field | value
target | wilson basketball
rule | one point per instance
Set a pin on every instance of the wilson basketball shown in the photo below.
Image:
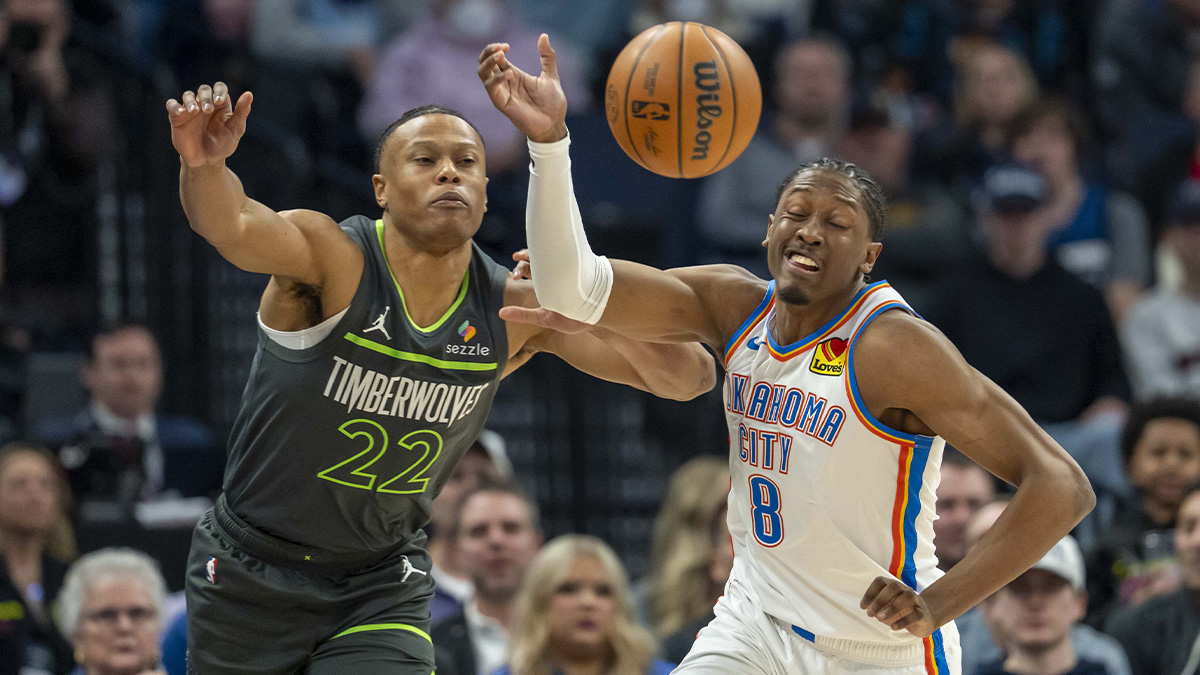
(683, 99)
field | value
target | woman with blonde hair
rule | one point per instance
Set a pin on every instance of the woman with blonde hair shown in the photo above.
(681, 590)
(574, 616)
(36, 544)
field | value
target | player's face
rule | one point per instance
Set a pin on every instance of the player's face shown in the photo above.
(582, 611)
(1187, 540)
(496, 543)
(432, 182)
(28, 494)
(1166, 460)
(1038, 609)
(118, 627)
(818, 240)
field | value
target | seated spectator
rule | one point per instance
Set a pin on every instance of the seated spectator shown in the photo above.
(680, 588)
(1160, 635)
(1134, 559)
(812, 110)
(36, 544)
(720, 566)
(1038, 331)
(1097, 234)
(484, 460)
(574, 615)
(978, 644)
(110, 608)
(118, 449)
(498, 531)
(1161, 336)
(1036, 613)
(964, 489)
(993, 84)
(431, 61)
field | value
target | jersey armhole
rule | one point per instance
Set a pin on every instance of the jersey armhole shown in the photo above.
(856, 401)
(755, 316)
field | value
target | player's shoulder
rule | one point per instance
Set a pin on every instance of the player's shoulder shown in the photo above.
(901, 341)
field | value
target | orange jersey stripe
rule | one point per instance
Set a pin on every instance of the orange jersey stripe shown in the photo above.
(902, 477)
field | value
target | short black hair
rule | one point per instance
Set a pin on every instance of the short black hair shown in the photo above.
(110, 329)
(412, 115)
(1051, 108)
(505, 486)
(1142, 414)
(874, 202)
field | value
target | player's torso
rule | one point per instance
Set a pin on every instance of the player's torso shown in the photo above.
(823, 497)
(343, 445)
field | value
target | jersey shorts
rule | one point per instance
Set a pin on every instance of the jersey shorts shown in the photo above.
(308, 616)
(743, 639)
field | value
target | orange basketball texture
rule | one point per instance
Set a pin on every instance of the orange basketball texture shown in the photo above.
(683, 99)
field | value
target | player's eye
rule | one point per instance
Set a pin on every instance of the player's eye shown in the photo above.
(467, 160)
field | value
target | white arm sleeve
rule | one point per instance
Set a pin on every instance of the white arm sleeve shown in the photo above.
(568, 277)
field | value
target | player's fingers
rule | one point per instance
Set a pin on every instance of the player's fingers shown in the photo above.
(221, 104)
(237, 121)
(549, 59)
(883, 598)
(523, 315)
(204, 98)
(491, 49)
(876, 586)
(174, 108)
(523, 271)
(900, 606)
(523, 254)
(189, 102)
(905, 621)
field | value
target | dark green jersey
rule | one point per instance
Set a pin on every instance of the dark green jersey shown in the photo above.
(342, 446)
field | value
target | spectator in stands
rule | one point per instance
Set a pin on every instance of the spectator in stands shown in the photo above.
(110, 607)
(1134, 559)
(1038, 331)
(1098, 234)
(498, 533)
(720, 566)
(994, 83)
(574, 615)
(57, 120)
(978, 644)
(964, 489)
(1160, 635)
(485, 460)
(812, 111)
(1140, 75)
(1161, 337)
(36, 545)
(118, 448)
(680, 589)
(431, 61)
(1036, 613)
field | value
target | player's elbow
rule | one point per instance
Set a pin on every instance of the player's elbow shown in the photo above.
(697, 376)
(1074, 488)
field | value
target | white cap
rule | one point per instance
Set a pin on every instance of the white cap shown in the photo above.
(495, 447)
(1066, 561)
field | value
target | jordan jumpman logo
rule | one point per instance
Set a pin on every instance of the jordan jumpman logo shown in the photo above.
(378, 325)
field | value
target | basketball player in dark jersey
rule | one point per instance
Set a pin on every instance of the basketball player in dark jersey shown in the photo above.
(379, 352)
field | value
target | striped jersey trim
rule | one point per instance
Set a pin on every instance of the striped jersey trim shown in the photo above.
(462, 289)
(935, 655)
(909, 479)
(739, 336)
(785, 353)
(417, 358)
(856, 401)
(382, 626)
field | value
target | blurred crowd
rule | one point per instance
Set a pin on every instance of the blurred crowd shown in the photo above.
(1042, 163)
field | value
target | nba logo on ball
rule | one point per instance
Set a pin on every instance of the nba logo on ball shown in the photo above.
(683, 99)
(211, 570)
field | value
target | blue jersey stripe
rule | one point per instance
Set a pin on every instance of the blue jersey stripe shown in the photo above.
(939, 654)
(916, 478)
(750, 320)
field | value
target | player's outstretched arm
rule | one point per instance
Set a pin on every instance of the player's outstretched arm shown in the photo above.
(705, 304)
(206, 128)
(905, 364)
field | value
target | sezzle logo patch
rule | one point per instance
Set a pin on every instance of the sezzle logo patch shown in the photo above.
(650, 110)
(467, 332)
(829, 358)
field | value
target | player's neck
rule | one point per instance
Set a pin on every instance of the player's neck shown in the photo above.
(430, 280)
(794, 322)
(1056, 660)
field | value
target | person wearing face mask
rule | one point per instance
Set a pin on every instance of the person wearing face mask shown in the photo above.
(574, 616)
(1162, 635)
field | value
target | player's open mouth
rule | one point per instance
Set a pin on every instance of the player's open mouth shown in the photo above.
(803, 262)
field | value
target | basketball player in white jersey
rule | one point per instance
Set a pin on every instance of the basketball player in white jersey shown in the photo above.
(838, 399)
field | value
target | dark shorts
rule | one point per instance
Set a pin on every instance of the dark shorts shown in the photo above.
(270, 607)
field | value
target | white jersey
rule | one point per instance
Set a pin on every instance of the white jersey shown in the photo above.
(825, 498)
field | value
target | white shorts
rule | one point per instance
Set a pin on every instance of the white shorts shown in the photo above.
(743, 639)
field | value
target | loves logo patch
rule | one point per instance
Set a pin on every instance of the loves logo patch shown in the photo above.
(829, 358)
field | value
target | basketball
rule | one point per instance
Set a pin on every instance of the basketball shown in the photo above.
(683, 99)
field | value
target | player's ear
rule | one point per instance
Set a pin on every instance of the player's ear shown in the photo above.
(486, 180)
(770, 224)
(868, 263)
(380, 184)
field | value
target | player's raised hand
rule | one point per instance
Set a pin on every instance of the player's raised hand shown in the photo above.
(540, 316)
(535, 105)
(893, 603)
(206, 126)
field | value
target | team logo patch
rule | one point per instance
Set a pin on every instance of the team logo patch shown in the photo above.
(211, 570)
(829, 358)
(467, 331)
(651, 110)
